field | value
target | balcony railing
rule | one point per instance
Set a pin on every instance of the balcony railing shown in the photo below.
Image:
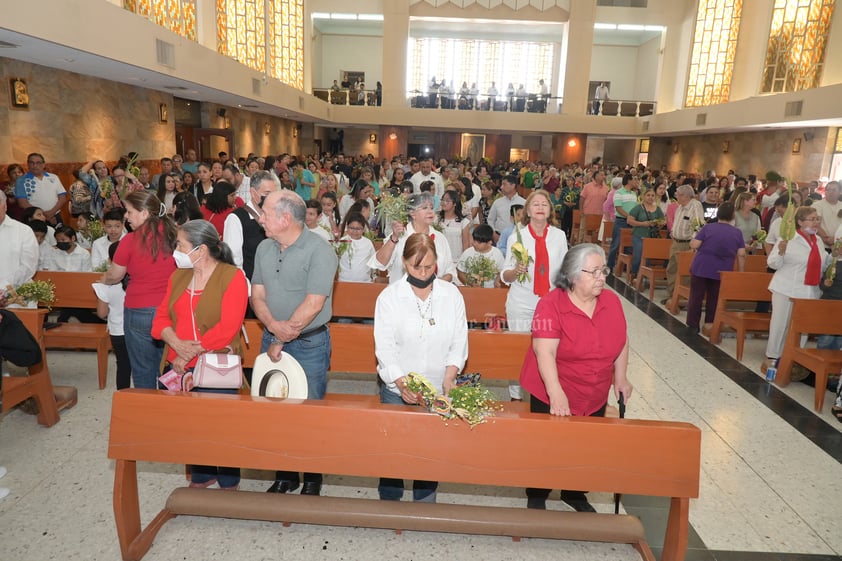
(532, 103)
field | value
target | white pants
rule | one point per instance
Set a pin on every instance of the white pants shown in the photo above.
(779, 325)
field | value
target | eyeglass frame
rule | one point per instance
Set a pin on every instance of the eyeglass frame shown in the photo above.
(605, 270)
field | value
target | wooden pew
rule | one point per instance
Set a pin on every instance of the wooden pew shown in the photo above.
(590, 228)
(753, 264)
(653, 258)
(37, 384)
(74, 290)
(624, 260)
(741, 287)
(812, 317)
(681, 288)
(373, 440)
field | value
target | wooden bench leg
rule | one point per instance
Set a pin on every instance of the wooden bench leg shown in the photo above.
(102, 361)
(678, 524)
(134, 543)
(821, 388)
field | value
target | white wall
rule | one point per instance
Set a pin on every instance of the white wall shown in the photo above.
(348, 52)
(646, 77)
(618, 65)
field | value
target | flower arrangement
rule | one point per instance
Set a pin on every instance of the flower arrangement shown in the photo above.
(696, 224)
(788, 219)
(479, 270)
(102, 267)
(759, 237)
(94, 230)
(343, 246)
(392, 209)
(370, 235)
(43, 292)
(468, 401)
(522, 256)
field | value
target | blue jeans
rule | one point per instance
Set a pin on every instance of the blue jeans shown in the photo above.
(619, 224)
(392, 489)
(833, 342)
(637, 249)
(313, 354)
(144, 352)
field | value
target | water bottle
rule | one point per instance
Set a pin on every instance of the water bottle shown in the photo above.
(771, 371)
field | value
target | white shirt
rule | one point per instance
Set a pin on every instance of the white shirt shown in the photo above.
(545, 90)
(77, 261)
(423, 337)
(500, 215)
(353, 264)
(233, 234)
(44, 192)
(18, 253)
(321, 232)
(791, 267)
(521, 299)
(114, 296)
(99, 250)
(494, 255)
(453, 234)
(829, 214)
(601, 93)
(444, 260)
(346, 202)
(418, 178)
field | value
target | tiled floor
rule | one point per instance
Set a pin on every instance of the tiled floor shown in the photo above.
(769, 480)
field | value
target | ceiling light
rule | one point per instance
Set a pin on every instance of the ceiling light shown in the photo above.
(321, 15)
(628, 27)
(654, 27)
(604, 26)
(343, 16)
(572, 142)
(370, 17)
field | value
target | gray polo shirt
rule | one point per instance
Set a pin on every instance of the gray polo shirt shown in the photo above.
(308, 266)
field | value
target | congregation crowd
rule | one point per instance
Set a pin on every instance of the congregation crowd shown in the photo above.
(265, 237)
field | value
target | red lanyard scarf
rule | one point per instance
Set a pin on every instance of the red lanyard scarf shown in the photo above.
(814, 261)
(541, 286)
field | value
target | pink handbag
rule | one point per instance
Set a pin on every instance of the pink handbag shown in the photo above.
(218, 371)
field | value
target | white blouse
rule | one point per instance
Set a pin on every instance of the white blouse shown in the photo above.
(521, 299)
(444, 259)
(415, 336)
(791, 267)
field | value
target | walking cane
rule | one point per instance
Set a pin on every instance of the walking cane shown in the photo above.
(621, 404)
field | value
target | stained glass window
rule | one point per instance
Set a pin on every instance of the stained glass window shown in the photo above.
(243, 35)
(480, 62)
(178, 16)
(714, 47)
(797, 40)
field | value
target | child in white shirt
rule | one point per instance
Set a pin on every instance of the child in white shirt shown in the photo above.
(355, 250)
(481, 245)
(110, 306)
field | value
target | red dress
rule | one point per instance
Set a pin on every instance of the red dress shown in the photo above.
(587, 349)
(217, 218)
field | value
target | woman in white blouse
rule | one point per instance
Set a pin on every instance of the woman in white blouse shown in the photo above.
(419, 326)
(455, 227)
(546, 245)
(799, 264)
(421, 216)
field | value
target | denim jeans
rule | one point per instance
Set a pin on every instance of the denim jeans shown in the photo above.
(637, 253)
(144, 352)
(833, 342)
(313, 354)
(392, 489)
(619, 224)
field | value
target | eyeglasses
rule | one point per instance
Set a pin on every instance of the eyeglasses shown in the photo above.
(598, 272)
(355, 228)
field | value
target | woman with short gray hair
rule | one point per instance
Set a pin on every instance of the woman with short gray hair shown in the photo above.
(579, 349)
(421, 218)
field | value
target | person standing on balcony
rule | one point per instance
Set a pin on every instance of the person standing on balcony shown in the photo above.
(600, 96)
(432, 92)
(492, 96)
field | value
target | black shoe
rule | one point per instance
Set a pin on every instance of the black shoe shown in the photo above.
(283, 486)
(311, 488)
(577, 500)
(536, 503)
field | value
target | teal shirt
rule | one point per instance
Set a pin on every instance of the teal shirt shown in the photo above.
(625, 198)
(641, 215)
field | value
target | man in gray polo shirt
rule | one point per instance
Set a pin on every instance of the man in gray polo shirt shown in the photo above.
(291, 294)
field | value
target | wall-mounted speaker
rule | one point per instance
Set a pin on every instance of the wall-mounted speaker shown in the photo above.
(221, 111)
(808, 136)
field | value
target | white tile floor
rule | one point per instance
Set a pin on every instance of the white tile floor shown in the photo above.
(764, 486)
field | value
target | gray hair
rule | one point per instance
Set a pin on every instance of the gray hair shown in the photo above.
(291, 203)
(261, 176)
(2, 196)
(685, 190)
(419, 200)
(573, 262)
(202, 232)
(617, 182)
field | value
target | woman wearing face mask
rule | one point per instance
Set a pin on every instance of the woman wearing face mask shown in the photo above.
(413, 316)
(799, 264)
(202, 311)
(145, 255)
(421, 218)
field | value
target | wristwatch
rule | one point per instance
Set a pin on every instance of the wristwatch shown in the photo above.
(276, 341)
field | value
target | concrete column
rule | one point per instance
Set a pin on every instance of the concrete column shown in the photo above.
(395, 45)
(578, 61)
(676, 46)
(206, 23)
(751, 50)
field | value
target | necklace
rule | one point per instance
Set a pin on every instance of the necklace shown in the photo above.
(426, 313)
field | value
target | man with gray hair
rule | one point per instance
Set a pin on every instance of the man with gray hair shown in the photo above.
(291, 293)
(243, 233)
(689, 216)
